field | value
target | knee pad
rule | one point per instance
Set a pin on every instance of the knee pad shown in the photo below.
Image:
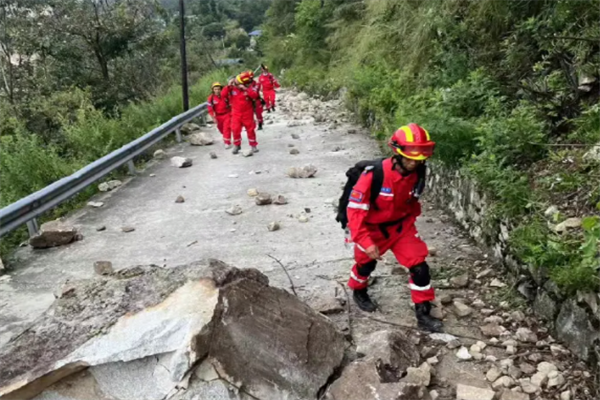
(420, 274)
(366, 269)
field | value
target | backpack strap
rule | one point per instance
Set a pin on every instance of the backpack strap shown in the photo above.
(377, 181)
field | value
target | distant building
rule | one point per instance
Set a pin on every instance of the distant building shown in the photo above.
(253, 35)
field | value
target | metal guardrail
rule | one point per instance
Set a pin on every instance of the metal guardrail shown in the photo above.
(26, 210)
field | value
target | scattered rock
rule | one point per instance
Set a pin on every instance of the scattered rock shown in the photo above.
(295, 136)
(570, 223)
(303, 218)
(179, 199)
(294, 151)
(551, 211)
(463, 354)
(351, 131)
(485, 273)
(391, 350)
(418, 376)
(212, 155)
(200, 139)
(511, 395)
(497, 283)
(252, 192)
(445, 298)
(247, 153)
(517, 316)
(103, 267)
(527, 368)
(234, 210)
(127, 229)
(160, 154)
(433, 251)
(233, 176)
(152, 175)
(461, 309)
(189, 127)
(280, 200)
(326, 305)
(181, 162)
(546, 367)
(433, 361)
(465, 392)
(273, 226)
(262, 199)
(492, 329)
(486, 311)
(555, 379)
(360, 381)
(52, 234)
(308, 171)
(503, 381)
(460, 281)
(95, 204)
(478, 304)
(528, 387)
(434, 395)
(101, 228)
(539, 379)
(566, 395)
(493, 374)
(436, 312)
(291, 145)
(526, 335)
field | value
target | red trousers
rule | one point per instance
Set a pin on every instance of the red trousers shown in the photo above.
(409, 250)
(239, 121)
(258, 110)
(224, 126)
(269, 96)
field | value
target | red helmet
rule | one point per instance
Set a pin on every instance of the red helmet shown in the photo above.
(412, 141)
(245, 77)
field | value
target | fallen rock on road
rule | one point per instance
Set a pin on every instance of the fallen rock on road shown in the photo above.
(52, 234)
(141, 331)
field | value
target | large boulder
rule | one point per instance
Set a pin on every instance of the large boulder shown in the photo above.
(139, 332)
(190, 127)
(52, 234)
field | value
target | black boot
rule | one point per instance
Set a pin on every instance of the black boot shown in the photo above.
(425, 321)
(269, 110)
(260, 126)
(236, 149)
(363, 301)
(273, 108)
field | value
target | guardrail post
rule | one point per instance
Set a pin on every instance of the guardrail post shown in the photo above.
(203, 119)
(178, 134)
(32, 227)
(131, 167)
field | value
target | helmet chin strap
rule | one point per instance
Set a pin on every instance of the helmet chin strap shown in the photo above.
(397, 161)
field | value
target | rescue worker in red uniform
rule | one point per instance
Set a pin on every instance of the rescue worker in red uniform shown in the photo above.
(241, 98)
(268, 84)
(220, 112)
(258, 105)
(389, 224)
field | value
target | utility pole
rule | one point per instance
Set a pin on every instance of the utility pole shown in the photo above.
(184, 75)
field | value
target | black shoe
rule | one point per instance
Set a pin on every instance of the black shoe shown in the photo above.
(363, 301)
(236, 149)
(260, 126)
(273, 108)
(425, 321)
(269, 110)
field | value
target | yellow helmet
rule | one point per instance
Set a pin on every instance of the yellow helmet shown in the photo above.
(215, 84)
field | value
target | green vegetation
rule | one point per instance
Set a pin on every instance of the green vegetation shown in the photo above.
(508, 89)
(79, 79)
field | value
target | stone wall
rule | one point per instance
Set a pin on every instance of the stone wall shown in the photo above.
(573, 320)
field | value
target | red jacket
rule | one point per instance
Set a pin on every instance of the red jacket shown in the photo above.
(217, 105)
(394, 202)
(241, 100)
(268, 82)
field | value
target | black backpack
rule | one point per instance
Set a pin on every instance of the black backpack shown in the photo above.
(376, 168)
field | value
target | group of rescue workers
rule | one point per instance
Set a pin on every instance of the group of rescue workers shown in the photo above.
(380, 203)
(234, 106)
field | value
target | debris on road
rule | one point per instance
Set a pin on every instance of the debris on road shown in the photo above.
(280, 200)
(180, 199)
(263, 199)
(181, 162)
(200, 139)
(95, 204)
(160, 154)
(103, 267)
(212, 155)
(234, 210)
(273, 226)
(52, 234)
(294, 151)
(308, 171)
(127, 229)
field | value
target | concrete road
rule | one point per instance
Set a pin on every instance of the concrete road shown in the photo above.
(168, 233)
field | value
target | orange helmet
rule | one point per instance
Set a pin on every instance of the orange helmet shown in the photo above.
(412, 141)
(245, 77)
